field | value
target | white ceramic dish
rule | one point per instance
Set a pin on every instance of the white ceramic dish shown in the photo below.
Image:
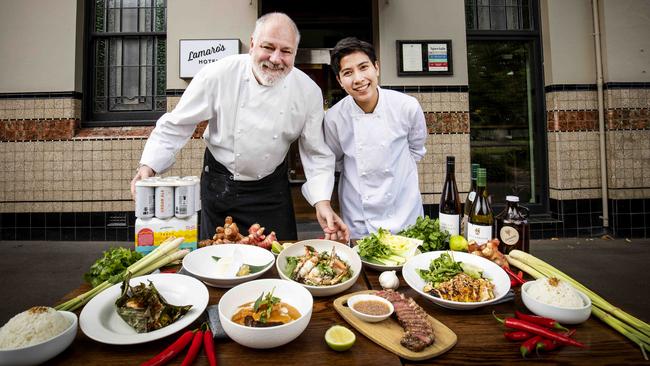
(490, 271)
(41, 352)
(200, 264)
(367, 317)
(381, 267)
(344, 252)
(100, 321)
(288, 291)
(562, 315)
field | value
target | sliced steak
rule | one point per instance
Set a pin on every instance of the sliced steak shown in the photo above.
(418, 332)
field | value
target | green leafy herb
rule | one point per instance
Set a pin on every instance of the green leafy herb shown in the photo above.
(428, 231)
(266, 301)
(373, 248)
(292, 262)
(441, 269)
(113, 262)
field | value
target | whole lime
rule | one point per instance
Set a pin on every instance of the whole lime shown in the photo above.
(458, 243)
(340, 338)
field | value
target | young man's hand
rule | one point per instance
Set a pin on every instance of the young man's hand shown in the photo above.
(333, 227)
(142, 173)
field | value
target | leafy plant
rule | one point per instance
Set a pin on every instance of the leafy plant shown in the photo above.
(113, 262)
(427, 230)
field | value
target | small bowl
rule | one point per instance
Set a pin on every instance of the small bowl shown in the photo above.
(344, 252)
(288, 291)
(41, 352)
(561, 314)
(367, 317)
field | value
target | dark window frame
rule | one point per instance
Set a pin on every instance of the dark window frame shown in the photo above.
(114, 118)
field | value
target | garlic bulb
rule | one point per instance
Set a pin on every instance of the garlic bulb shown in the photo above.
(388, 280)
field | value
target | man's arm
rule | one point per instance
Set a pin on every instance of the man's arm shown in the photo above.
(417, 134)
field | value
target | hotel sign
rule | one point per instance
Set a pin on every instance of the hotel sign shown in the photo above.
(196, 53)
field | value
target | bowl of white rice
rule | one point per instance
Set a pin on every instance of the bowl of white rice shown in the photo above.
(556, 299)
(36, 335)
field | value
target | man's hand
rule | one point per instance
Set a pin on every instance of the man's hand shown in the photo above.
(142, 173)
(333, 227)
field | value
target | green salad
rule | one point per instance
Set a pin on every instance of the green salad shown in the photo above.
(386, 249)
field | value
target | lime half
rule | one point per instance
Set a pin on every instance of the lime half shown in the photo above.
(340, 338)
(458, 243)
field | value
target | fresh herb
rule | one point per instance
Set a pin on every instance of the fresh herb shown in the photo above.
(428, 231)
(265, 301)
(292, 263)
(386, 249)
(440, 270)
(113, 262)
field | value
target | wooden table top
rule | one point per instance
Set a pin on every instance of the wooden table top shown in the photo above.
(480, 340)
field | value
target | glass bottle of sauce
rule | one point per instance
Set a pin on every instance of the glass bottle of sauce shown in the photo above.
(512, 226)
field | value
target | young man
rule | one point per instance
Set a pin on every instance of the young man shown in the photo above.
(256, 105)
(377, 136)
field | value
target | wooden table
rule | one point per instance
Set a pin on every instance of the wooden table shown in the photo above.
(480, 340)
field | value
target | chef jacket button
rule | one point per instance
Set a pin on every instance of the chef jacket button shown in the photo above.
(275, 136)
(238, 154)
(236, 174)
(386, 170)
(239, 130)
(259, 176)
(266, 156)
(365, 198)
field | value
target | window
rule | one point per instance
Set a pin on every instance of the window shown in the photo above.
(126, 70)
(498, 14)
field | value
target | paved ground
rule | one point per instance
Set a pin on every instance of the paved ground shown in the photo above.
(40, 273)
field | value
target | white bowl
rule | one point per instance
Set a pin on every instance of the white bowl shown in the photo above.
(491, 271)
(367, 317)
(344, 252)
(562, 315)
(41, 352)
(289, 292)
(200, 264)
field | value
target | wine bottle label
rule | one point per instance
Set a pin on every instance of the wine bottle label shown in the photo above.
(471, 196)
(463, 226)
(449, 223)
(509, 235)
(479, 233)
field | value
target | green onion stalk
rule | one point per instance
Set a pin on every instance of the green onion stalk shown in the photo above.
(166, 253)
(631, 327)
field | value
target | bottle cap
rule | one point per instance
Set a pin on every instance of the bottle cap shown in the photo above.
(512, 198)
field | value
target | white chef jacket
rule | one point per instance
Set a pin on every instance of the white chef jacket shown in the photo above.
(250, 126)
(378, 186)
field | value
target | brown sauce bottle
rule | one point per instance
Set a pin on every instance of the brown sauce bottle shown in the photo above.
(513, 230)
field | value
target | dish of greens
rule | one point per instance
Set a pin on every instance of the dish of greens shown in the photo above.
(383, 250)
(427, 230)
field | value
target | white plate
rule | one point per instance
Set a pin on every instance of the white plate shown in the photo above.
(381, 267)
(491, 271)
(200, 264)
(100, 321)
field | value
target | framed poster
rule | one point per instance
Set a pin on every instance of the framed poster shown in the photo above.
(196, 53)
(424, 58)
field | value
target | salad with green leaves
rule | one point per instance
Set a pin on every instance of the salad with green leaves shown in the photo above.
(386, 249)
(427, 230)
(445, 268)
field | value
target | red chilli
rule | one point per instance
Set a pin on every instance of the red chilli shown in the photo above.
(528, 346)
(540, 320)
(519, 324)
(548, 345)
(517, 335)
(170, 352)
(194, 348)
(208, 347)
(513, 276)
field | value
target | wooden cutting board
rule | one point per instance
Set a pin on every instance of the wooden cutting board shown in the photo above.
(388, 333)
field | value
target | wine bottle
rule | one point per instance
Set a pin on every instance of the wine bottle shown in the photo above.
(449, 210)
(469, 200)
(481, 219)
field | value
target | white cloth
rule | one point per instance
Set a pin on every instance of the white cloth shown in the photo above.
(250, 126)
(378, 186)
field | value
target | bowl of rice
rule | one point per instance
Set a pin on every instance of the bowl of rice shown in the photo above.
(36, 335)
(556, 299)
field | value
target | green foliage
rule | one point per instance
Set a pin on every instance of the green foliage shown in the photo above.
(440, 270)
(113, 262)
(427, 230)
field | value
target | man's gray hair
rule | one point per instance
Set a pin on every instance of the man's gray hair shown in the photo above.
(260, 23)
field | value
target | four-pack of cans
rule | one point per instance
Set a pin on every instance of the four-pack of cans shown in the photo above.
(166, 207)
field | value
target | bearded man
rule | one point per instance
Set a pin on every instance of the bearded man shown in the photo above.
(256, 105)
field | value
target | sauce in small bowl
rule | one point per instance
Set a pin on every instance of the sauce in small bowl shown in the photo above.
(370, 308)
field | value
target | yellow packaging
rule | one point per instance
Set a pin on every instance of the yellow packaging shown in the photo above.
(151, 232)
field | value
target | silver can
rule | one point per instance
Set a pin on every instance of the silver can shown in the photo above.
(197, 191)
(184, 200)
(144, 201)
(164, 204)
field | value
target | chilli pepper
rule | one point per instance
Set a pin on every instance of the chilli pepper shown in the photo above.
(171, 351)
(514, 276)
(520, 324)
(540, 320)
(528, 345)
(517, 335)
(208, 347)
(548, 345)
(194, 348)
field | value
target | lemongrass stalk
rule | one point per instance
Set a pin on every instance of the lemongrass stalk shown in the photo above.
(550, 271)
(524, 267)
(163, 261)
(620, 327)
(642, 337)
(155, 255)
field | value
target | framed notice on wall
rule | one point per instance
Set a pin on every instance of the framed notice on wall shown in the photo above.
(424, 58)
(196, 53)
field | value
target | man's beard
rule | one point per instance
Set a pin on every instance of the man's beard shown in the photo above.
(270, 74)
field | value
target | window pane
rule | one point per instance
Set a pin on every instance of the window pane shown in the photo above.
(512, 14)
(498, 14)
(497, 17)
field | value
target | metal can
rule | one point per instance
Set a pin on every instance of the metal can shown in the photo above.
(197, 191)
(164, 204)
(184, 199)
(144, 201)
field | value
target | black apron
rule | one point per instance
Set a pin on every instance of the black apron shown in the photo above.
(266, 201)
